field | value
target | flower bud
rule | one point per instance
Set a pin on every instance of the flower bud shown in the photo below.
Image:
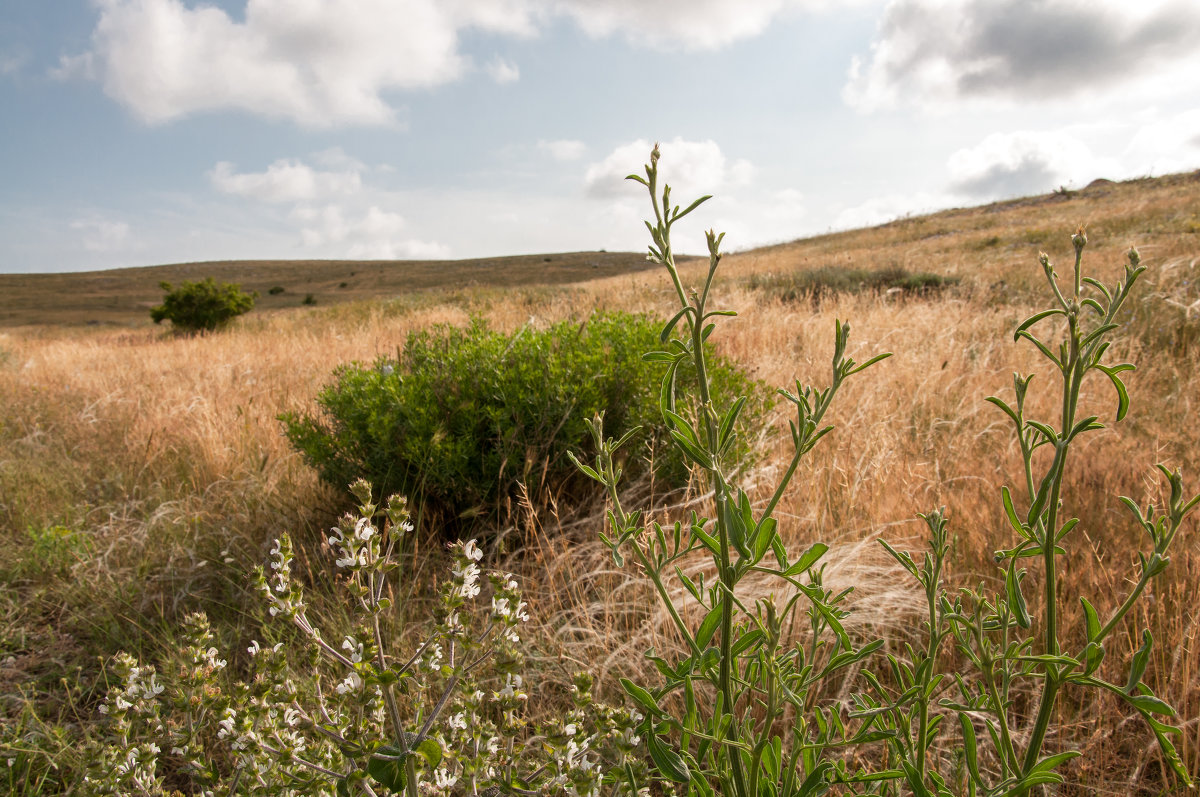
(1079, 239)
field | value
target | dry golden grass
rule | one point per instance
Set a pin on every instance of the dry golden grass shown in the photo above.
(165, 451)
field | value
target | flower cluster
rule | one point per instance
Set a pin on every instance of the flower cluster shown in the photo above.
(449, 716)
(129, 763)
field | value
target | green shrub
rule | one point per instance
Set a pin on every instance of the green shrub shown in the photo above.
(309, 299)
(202, 306)
(466, 413)
(275, 291)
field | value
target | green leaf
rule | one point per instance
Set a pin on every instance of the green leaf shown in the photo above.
(668, 762)
(1140, 659)
(746, 641)
(388, 772)
(1092, 618)
(431, 751)
(807, 559)
(1050, 763)
(970, 747)
(1016, 599)
(903, 557)
(727, 423)
(1152, 705)
(1009, 411)
(1093, 654)
(675, 319)
(709, 627)
(1122, 394)
(1009, 510)
(764, 539)
(642, 697)
(1033, 319)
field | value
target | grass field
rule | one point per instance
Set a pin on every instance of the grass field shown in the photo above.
(124, 296)
(142, 474)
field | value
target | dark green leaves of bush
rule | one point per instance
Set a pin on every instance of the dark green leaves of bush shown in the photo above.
(202, 306)
(464, 414)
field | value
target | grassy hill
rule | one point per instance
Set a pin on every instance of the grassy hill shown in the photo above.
(143, 474)
(124, 296)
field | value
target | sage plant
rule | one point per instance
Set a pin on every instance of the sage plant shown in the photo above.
(741, 713)
(446, 718)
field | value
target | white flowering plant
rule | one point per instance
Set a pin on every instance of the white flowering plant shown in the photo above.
(447, 718)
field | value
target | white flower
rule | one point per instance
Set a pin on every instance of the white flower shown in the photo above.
(254, 648)
(354, 647)
(352, 683)
(472, 551)
(458, 722)
(443, 778)
(363, 529)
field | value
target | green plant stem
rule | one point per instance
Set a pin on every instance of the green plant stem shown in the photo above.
(1073, 371)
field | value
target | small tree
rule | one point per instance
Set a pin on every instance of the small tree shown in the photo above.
(202, 306)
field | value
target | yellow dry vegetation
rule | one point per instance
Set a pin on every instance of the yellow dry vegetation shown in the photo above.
(167, 453)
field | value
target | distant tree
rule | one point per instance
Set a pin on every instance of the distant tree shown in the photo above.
(202, 306)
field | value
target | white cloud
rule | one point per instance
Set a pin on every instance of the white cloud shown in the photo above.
(322, 63)
(1165, 146)
(691, 168)
(100, 235)
(284, 181)
(675, 24)
(377, 235)
(318, 62)
(503, 71)
(563, 149)
(882, 209)
(934, 53)
(1023, 163)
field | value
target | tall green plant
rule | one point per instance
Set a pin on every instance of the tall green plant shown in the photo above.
(737, 743)
(994, 631)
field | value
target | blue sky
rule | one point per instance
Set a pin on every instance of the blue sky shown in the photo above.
(139, 132)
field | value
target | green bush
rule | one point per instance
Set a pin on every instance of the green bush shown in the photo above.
(202, 306)
(465, 414)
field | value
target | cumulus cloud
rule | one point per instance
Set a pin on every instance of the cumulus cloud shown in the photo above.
(1022, 163)
(563, 149)
(318, 63)
(934, 52)
(284, 181)
(376, 234)
(100, 235)
(691, 168)
(333, 62)
(676, 24)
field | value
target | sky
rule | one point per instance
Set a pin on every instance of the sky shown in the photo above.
(140, 132)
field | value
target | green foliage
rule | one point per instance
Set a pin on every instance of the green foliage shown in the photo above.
(309, 299)
(49, 552)
(464, 414)
(202, 306)
(276, 290)
(827, 281)
(741, 714)
(1007, 648)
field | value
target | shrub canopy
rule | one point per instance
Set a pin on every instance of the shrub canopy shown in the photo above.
(464, 414)
(202, 306)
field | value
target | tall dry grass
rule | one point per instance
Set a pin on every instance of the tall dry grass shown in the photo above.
(166, 454)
